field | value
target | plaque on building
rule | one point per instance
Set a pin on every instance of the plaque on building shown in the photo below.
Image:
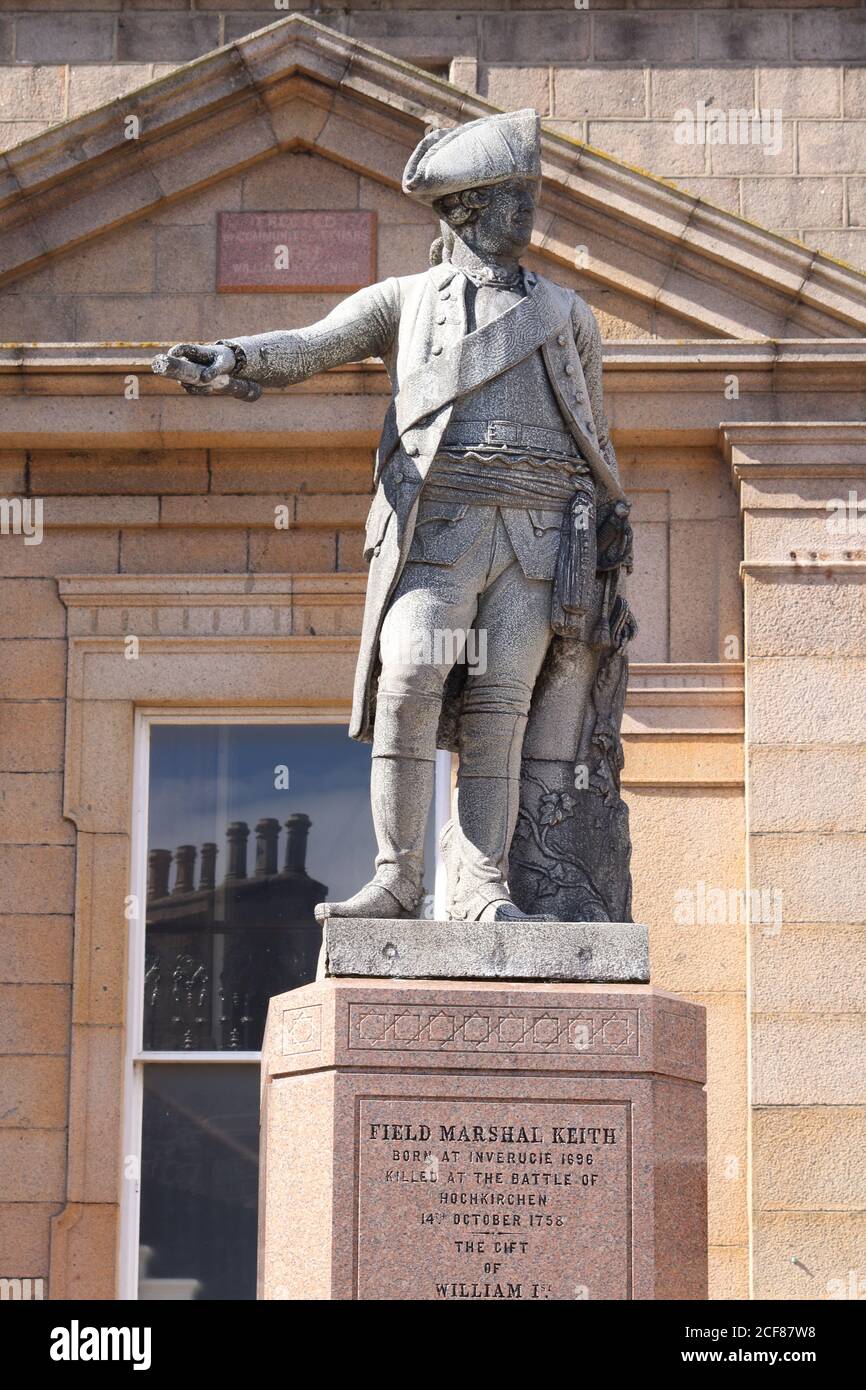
(295, 252)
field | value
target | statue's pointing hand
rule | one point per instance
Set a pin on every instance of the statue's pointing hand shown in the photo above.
(205, 369)
(201, 364)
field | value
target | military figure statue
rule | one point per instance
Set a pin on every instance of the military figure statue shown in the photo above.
(498, 517)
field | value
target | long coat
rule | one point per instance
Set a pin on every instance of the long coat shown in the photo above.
(417, 325)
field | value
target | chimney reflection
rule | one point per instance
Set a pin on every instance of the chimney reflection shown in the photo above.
(217, 952)
(267, 834)
(184, 869)
(237, 835)
(297, 830)
(158, 870)
(207, 877)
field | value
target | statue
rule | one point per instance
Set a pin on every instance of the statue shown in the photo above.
(497, 540)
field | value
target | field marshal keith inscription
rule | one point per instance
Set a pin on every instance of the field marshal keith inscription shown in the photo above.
(464, 1199)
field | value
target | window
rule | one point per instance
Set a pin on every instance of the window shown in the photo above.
(199, 1181)
(240, 829)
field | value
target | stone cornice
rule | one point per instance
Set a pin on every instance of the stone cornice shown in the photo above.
(684, 700)
(73, 396)
(171, 608)
(720, 681)
(130, 590)
(803, 569)
(364, 109)
(783, 449)
(688, 354)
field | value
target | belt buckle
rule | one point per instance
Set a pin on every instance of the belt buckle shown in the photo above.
(502, 432)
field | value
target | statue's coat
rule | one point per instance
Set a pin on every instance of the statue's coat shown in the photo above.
(417, 325)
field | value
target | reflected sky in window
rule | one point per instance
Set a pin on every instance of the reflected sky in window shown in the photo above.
(250, 825)
(204, 776)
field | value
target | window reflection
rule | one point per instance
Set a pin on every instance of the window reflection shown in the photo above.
(199, 1182)
(249, 826)
(238, 815)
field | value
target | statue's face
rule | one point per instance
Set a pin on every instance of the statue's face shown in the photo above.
(504, 226)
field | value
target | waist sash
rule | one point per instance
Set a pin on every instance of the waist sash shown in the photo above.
(497, 480)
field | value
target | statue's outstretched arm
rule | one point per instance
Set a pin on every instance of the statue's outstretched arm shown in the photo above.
(364, 325)
(361, 326)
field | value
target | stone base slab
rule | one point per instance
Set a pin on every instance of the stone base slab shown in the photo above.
(401, 949)
(437, 1141)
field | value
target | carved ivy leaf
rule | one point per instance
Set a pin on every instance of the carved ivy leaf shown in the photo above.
(555, 807)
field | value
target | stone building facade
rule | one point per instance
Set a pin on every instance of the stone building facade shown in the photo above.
(734, 375)
(615, 73)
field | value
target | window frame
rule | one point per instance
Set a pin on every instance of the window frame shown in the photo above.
(135, 1055)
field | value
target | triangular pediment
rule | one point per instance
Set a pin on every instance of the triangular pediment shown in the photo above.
(654, 261)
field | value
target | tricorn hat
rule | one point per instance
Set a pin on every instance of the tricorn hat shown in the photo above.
(481, 152)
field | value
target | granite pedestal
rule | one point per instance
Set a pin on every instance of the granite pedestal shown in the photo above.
(478, 1139)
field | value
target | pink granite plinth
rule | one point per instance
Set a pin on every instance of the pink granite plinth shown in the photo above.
(482, 1140)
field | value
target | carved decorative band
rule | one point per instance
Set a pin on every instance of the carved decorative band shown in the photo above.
(438, 1028)
(302, 1030)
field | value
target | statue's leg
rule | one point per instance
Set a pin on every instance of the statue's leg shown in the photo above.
(401, 785)
(514, 622)
(431, 604)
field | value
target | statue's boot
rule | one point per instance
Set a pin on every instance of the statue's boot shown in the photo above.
(504, 910)
(488, 901)
(475, 843)
(401, 790)
(373, 900)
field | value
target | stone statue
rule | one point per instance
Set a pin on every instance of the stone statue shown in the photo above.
(494, 622)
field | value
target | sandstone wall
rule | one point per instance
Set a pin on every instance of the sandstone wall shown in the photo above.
(614, 74)
(611, 75)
